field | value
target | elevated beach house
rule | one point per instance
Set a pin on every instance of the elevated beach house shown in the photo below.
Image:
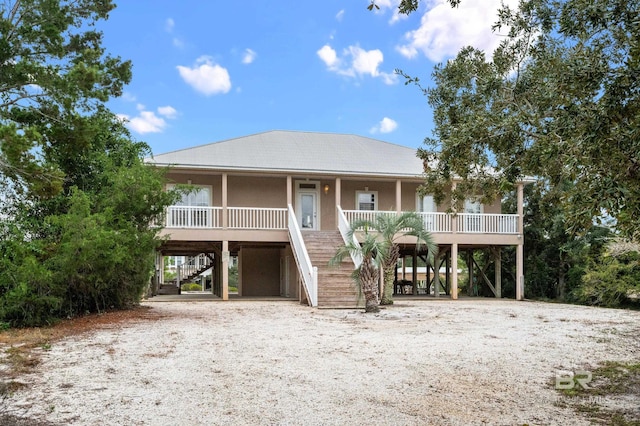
(277, 204)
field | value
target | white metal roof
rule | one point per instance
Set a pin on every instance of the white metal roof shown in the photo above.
(292, 151)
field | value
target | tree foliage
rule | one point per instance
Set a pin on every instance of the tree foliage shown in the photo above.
(387, 229)
(77, 201)
(614, 281)
(52, 68)
(559, 100)
(371, 250)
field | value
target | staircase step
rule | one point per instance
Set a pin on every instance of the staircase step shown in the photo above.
(335, 285)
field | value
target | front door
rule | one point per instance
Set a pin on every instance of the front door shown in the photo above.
(307, 210)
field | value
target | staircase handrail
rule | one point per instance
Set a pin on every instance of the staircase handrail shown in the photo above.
(307, 270)
(345, 228)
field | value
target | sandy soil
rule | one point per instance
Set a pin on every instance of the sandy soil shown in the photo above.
(256, 362)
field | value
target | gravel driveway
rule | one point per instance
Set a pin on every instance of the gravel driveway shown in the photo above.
(442, 362)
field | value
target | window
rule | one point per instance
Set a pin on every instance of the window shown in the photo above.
(426, 204)
(367, 200)
(186, 212)
(473, 221)
(200, 197)
(471, 206)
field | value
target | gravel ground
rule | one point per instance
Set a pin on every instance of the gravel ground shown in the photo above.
(439, 362)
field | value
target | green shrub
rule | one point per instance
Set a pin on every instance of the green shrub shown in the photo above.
(610, 282)
(191, 287)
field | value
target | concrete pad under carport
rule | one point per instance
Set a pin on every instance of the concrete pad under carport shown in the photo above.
(209, 297)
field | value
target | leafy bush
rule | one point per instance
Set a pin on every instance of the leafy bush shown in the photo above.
(191, 287)
(611, 282)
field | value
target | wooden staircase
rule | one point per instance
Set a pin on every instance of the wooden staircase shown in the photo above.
(336, 288)
(168, 289)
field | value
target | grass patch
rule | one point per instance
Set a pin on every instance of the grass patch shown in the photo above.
(611, 380)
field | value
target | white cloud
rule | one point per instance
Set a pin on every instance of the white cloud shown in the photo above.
(340, 15)
(444, 30)
(148, 121)
(169, 24)
(328, 56)
(249, 56)
(177, 42)
(386, 125)
(356, 61)
(128, 96)
(206, 77)
(168, 111)
(366, 62)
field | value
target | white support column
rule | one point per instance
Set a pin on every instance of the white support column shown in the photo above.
(338, 197)
(289, 191)
(520, 246)
(225, 270)
(454, 219)
(454, 271)
(399, 196)
(225, 211)
(520, 272)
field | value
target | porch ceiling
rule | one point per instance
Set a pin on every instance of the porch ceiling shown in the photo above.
(189, 248)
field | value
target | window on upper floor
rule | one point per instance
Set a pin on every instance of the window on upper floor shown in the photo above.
(426, 204)
(367, 200)
(471, 206)
(201, 197)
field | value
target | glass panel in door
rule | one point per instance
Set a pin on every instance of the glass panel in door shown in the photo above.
(308, 210)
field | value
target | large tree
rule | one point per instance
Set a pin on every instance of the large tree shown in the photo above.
(77, 204)
(558, 100)
(52, 68)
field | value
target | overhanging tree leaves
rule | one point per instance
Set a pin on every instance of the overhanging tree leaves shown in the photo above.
(77, 202)
(559, 100)
(52, 65)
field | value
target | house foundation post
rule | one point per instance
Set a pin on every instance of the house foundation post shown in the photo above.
(519, 272)
(436, 272)
(520, 246)
(454, 271)
(498, 266)
(414, 271)
(225, 270)
(470, 267)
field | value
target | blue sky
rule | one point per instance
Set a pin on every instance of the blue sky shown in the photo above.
(205, 71)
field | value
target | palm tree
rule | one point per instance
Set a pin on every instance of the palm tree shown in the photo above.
(367, 274)
(389, 228)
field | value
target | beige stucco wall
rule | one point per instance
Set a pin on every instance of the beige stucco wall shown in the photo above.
(287, 253)
(259, 271)
(249, 191)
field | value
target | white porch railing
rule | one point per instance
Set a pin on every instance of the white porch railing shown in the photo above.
(309, 272)
(257, 218)
(193, 217)
(345, 227)
(239, 217)
(483, 223)
(437, 222)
